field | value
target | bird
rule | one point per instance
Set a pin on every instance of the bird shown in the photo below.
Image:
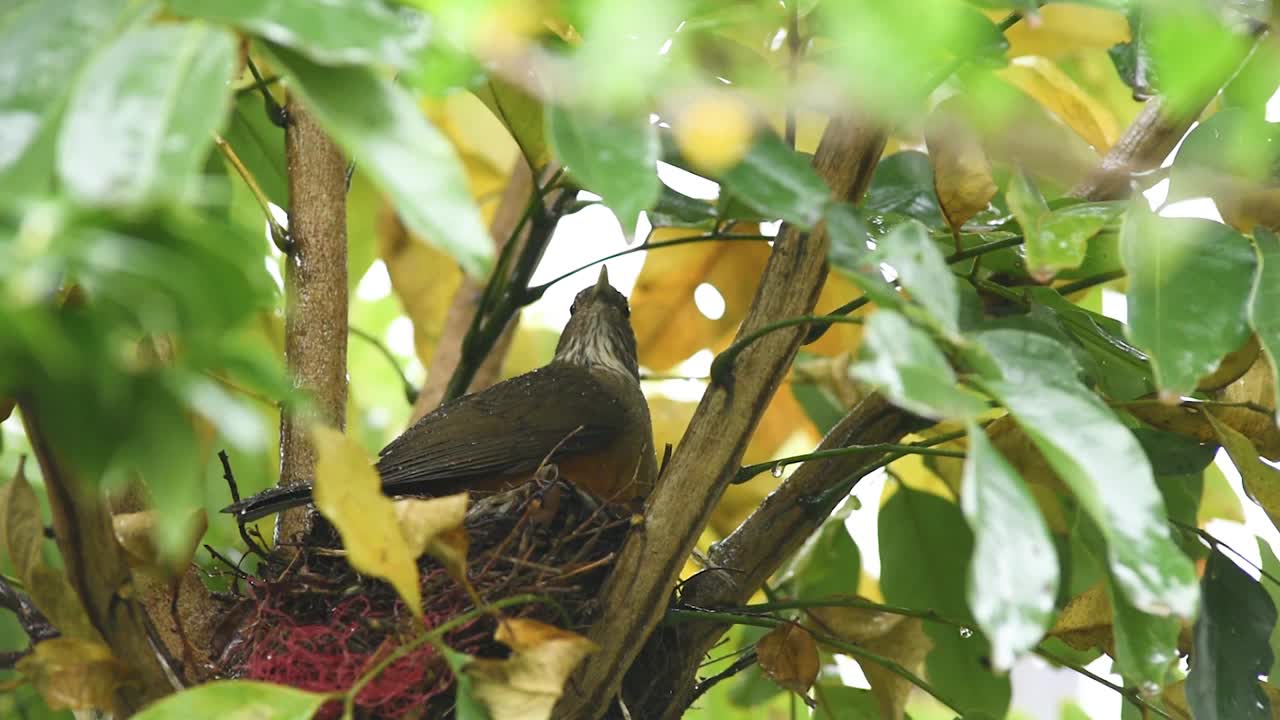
(584, 411)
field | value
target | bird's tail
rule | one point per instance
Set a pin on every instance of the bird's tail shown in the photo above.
(269, 501)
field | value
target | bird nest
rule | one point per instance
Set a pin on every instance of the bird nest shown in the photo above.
(309, 621)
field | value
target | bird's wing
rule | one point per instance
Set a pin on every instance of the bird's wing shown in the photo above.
(508, 428)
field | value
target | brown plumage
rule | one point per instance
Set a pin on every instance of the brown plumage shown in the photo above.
(583, 411)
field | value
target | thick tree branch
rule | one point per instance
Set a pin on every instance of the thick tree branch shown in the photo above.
(466, 303)
(708, 457)
(315, 324)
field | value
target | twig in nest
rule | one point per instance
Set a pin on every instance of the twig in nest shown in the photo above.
(235, 497)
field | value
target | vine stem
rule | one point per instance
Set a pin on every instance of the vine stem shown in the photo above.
(279, 235)
(720, 367)
(686, 613)
(532, 294)
(749, 471)
(410, 392)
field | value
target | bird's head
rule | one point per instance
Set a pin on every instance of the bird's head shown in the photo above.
(599, 330)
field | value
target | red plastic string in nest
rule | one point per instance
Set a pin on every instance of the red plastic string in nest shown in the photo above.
(309, 621)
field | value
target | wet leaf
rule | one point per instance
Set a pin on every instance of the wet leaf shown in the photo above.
(74, 674)
(1188, 295)
(961, 171)
(1084, 442)
(43, 47)
(903, 185)
(1261, 481)
(434, 526)
(383, 129)
(904, 362)
(1271, 567)
(613, 157)
(237, 700)
(348, 492)
(788, 655)
(1013, 578)
(1264, 302)
(1062, 237)
(335, 32)
(1145, 645)
(925, 548)
(849, 254)
(159, 92)
(1029, 207)
(527, 684)
(1231, 645)
(923, 272)
(775, 180)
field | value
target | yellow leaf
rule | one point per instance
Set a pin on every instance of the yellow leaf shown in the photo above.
(527, 684)
(1086, 620)
(434, 526)
(1059, 94)
(856, 625)
(961, 172)
(136, 534)
(714, 131)
(1218, 501)
(520, 113)
(1261, 481)
(74, 674)
(788, 655)
(907, 644)
(22, 534)
(348, 492)
(1065, 28)
(668, 325)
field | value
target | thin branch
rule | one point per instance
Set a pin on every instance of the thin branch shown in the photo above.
(279, 235)
(1088, 282)
(410, 392)
(746, 660)
(275, 112)
(723, 364)
(536, 292)
(1130, 694)
(921, 448)
(834, 642)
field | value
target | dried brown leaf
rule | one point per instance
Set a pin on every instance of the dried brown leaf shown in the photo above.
(788, 655)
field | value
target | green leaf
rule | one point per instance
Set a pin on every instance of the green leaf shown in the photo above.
(841, 702)
(1120, 370)
(259, 143)
(466, 705)
(925, 548)
(1061, 239)
(158, 94)
(1188, 296)
(334, 32)
(1231, 645)
(674, 209)
(1146, 645)
(1028, 206)
(1271, 567)
(1261, 481)
(1013, 578)
(614, 157)
(1021, 357)
(236, 700)
(1188, 79)
(903, 185)
(43, 46)
(774, 179)
(382, 128)
(1234, 144)
(1264, 301)
(752, 687)
(904, 362)
(522, 115)
(923, 271)
(1085, 444)
(848, 253)
(827, 565)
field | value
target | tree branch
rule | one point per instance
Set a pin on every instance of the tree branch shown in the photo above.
(466, 303)
(315, 324)
(708, 456)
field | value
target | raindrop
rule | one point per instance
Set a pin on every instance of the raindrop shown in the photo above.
(1149, 689)
(777, 470)
(966, 633)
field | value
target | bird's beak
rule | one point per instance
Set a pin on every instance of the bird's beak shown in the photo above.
(602, 282)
